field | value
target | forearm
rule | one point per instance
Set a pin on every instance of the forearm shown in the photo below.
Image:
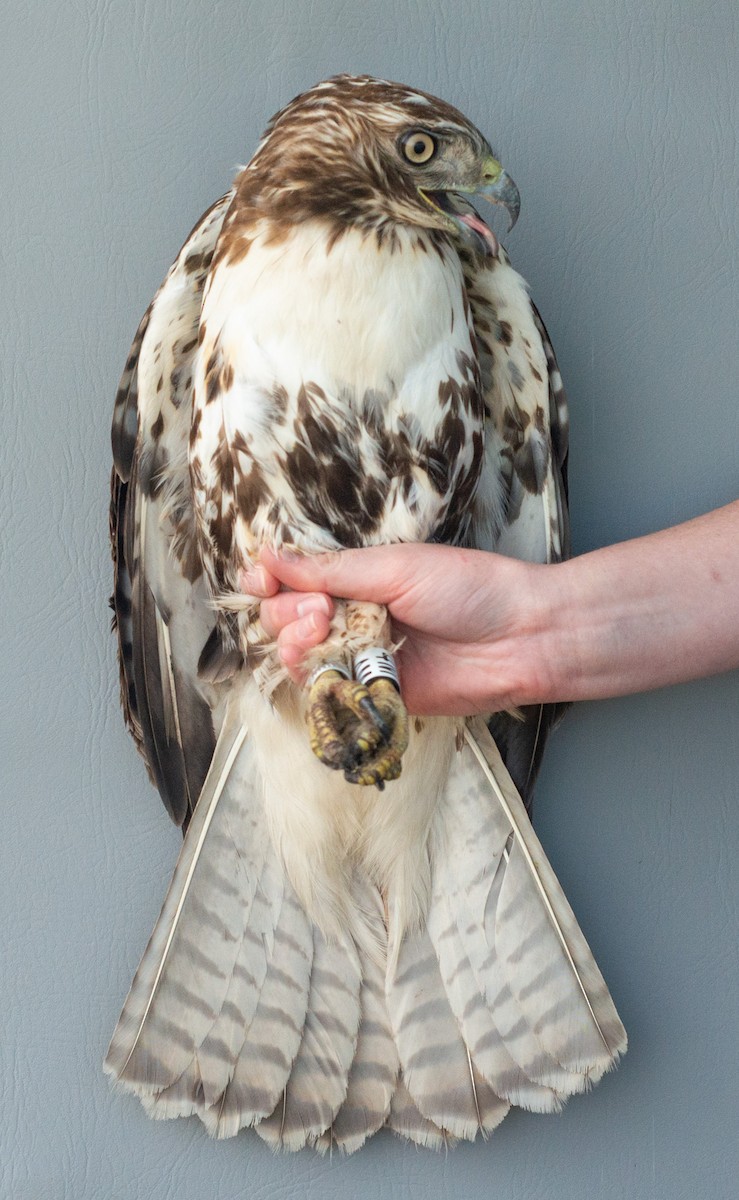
(641, 614)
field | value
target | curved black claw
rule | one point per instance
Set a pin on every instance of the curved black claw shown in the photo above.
(376, 718)
(362, 731)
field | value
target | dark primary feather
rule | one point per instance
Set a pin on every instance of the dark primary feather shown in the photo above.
(169, 719)
(559, 431)
(120, 602)
(177, 762)
(125, 412)
(521, 742)
(521, 738)
(160, 636)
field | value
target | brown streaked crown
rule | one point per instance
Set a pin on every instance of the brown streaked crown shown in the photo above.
(344, 152)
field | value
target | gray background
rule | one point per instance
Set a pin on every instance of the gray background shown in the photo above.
(122, 120)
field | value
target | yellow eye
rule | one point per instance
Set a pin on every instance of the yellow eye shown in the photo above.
(419, 147)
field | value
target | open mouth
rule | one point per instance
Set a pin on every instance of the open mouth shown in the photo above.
(471, 224)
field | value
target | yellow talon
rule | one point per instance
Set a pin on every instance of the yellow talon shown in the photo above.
(362, 731)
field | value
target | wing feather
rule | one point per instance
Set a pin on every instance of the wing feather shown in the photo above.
(159, 601)
(526, 447)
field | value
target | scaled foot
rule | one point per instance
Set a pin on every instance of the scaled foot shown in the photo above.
(360, 730)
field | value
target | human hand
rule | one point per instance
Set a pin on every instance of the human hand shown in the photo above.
(482, 632)
(464, 618)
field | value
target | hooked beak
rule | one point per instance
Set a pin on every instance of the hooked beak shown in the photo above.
(497, 188)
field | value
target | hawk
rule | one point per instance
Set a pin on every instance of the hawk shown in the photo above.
(362, 928)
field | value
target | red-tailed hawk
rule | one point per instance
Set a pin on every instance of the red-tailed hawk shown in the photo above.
(341, 355)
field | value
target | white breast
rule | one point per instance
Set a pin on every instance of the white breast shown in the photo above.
(373, 333)
(353, 317)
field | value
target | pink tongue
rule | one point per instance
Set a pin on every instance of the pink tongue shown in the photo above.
(481, 228)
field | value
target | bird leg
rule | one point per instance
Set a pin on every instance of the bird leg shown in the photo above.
(359, 729)
(357, 725)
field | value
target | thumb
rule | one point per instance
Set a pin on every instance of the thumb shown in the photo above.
(379, 574)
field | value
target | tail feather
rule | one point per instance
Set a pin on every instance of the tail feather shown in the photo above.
(434, 1059)
(479, 1028)
(523, 1043)
(406, 1120)
(183, 974)
(374, 1072)
(475, 839)
(546, 960)
(184, 1098)
(244, 1012)
(556, 994)
(271, 1041)
(319, 1078)
(275, 930)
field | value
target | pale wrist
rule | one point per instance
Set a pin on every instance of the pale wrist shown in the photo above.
(557, 645)
(590, 621)
(550, 639)
(527, 654)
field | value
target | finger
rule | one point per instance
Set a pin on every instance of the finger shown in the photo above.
(258, 581)
(278, 611)
(297, 638)
(376, 573)
(291, 656)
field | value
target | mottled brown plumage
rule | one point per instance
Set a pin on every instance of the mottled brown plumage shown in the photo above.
(341, 355)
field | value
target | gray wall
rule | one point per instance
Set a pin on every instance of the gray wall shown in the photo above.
(122, 120)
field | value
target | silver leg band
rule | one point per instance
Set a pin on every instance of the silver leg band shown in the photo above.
(375, 664)
(323, 668)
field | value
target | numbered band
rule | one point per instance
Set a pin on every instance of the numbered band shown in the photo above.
(375, 664)
(323, 668)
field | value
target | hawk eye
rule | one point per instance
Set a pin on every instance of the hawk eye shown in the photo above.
(419, 147)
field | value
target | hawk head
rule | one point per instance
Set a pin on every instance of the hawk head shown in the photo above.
(364, 153)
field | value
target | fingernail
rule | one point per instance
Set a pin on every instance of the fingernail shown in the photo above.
(314, 604)
(253, 580)
(290, 655)
(307, 625)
